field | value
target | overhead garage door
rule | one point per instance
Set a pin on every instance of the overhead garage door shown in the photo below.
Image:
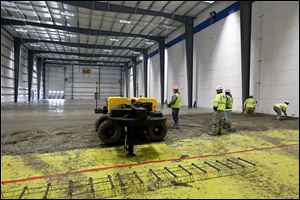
(84, 86)
(55, 82)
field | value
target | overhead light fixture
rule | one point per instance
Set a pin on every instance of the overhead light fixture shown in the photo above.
(150, 43)
(209, 2)
(125, 21)
(212, 14)
(113, 39)
(70, 35)
(135, 52)
(34, 45)
(106, 50)
(67, 14)
(21, 30)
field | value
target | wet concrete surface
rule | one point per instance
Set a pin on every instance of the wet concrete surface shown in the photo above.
(59, 125)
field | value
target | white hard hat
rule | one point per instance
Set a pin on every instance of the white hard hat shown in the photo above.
(286, 102)
(219, 88)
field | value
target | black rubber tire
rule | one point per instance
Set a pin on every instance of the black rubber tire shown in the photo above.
(157, 133)
(108, 133)
(99, 121)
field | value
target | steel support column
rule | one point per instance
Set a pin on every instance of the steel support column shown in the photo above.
(17, 57)
(245, 18)
(44, 80)
(134, 75)
(162, 68)
(189, 58)
(30, 71)
(145, 60)
(39, 70)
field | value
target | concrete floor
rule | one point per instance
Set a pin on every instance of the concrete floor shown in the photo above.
(58, 112)
(272, 145)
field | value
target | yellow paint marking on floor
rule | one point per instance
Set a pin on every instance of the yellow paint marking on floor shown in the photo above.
(278, 169)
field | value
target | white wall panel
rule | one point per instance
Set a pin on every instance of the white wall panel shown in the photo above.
(154, 78)
(177, 72)
(140, 80)
(130, 82)
(218, 62)
(276, 77)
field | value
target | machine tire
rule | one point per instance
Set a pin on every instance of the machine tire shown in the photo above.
(99, 121)
(157, 133)
(108, 133)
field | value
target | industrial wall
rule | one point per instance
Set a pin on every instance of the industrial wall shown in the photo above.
(7, 67)
(140, 80)
(217, 57)
(59, 82)
(7, 71)
(275, 55)
(130, 82)
(216, 60)
(154, 78)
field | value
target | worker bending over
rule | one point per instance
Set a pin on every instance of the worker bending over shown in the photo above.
(175, 104)
(281, 107)
(249, 106)
(229, 102)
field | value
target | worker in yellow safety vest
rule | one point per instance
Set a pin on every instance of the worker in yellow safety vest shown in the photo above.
(175, 104)
(249, 106)
(219, 106)
(229, 102)
(281, 107)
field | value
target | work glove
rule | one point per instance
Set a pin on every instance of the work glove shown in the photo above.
(215, 108)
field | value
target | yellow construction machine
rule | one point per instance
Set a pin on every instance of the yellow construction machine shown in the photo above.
(122, 118)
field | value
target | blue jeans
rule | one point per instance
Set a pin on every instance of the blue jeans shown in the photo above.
(228, 116)
(278, 111)
(175, 112)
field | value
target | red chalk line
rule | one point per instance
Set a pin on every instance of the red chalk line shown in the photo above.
(139, 163)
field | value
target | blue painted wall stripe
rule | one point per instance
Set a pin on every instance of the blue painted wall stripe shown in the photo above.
(220, 15)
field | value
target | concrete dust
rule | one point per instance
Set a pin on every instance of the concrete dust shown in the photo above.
(49, 138)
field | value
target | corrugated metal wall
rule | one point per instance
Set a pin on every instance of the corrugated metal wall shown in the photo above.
(59, 78)
(7, 71)
(7, 67)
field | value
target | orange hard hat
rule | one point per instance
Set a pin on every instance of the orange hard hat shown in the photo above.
(175, 87)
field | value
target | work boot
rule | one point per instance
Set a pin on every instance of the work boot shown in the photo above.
(176, 126)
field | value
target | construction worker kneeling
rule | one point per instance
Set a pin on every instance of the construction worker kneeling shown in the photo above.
(249, 106)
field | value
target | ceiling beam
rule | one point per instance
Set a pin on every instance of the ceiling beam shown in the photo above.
(102, 6)
(80, 45)
(90, 61)
(82, 64)
(87, 31)
(81, 54)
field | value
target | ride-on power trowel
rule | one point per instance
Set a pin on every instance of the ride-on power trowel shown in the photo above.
(124, 117)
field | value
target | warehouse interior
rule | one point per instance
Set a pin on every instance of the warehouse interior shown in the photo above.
(65, 64)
